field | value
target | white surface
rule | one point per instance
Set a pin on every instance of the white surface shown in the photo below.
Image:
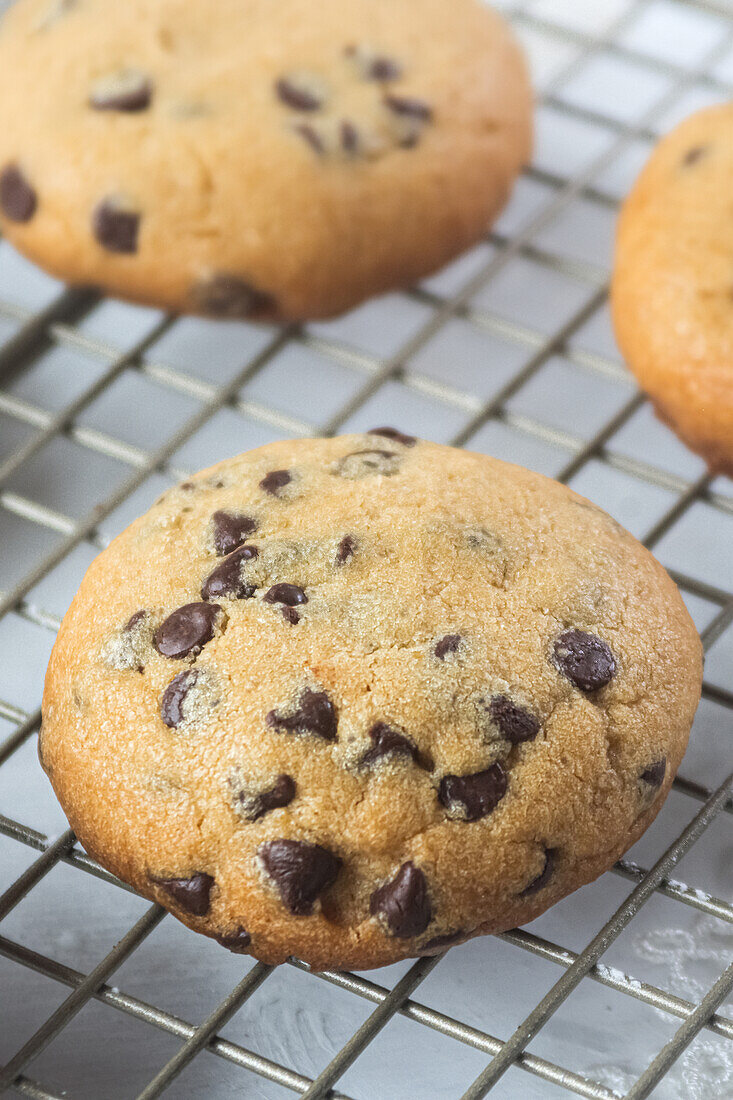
(294, 1018)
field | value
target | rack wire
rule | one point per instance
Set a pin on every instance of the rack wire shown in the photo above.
(439, 303)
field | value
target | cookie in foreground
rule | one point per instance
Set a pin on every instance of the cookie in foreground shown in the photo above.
(356, 699)
(672, 290)
(255, 159)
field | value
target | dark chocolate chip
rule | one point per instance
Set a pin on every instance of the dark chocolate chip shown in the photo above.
(654, 774)
(349, 136)
(393, 434)
(360, 464)
(237, 941)
(515, 723)
(474, 796)
(174, 696)
(544, 876)
(439, 943)
(254, 806)
(300, 93)
(301, 871)
(230, 530)
(448, 644)
(276, 480)
(311, 136)
(125, 91)
(315, 713)
(186, 630)
(17, 198)
(585, 659)
(409, 106)
(191, 894)
(115, 227)
(290, 615)
(693, 155)
(133, 621)
(403, 902)
(387, 741)
(374, 66)
(227, 580)
(346, 549)
(231, 298)
(289, 594)
(187, 486)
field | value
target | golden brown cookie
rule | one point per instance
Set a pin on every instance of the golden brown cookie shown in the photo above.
(246, 158)
(355, 699)
(673, 282)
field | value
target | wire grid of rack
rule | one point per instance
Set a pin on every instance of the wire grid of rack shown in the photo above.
(403, 354)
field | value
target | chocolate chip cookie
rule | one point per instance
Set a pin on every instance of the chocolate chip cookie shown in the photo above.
(673, 282)
(248, 159)
(356, 699)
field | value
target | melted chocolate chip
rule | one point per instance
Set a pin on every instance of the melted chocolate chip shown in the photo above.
(403, 902)
(692, 156)
(174, 696)
(515, 723)
(237, 941)
(447, 645)
(227, 580)
(315, 713)
(289, 594)
(17, 198)
(302, 93)
(474, 796)
(394, 435)
(439, 943)
(230, 530)
(311, 136)
(409, 106)
(115, 227)
(585, 659)
(346, 549)
(654, 774)
(544, 876)
(126, 91)
(231, 298)
(251, 804)
(300, 871)
(387, 741)
(191, 894)
(276, 480)
(186, 630)
(360, 464)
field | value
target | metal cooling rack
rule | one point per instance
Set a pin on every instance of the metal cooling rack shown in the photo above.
(467, 359)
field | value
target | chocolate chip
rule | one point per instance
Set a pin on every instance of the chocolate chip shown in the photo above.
(301, 92)
(315, 713)
(174, 696)
(408, 106)
(654, 774)
(252, 804)
(393, 434)
(116, 227)
(346, 549)
(474, 796)
(290, 615)
(374, 66)
(515, 723)
(692, 156)
(17, 198)
(438, 943)
(187, 486)
(585, 659)
(130, 90)
(276, 480)
(387, 741)
(360, 464)
(349, 136)
(231, 298)
(544, 876)
(135, 620)
(311, 136)
(447, 645)
(186, 630)
(227, 580)
(237, 941)
(403, 902)
(191, 894)
(301, 871)
(230, 530)
(289, 594)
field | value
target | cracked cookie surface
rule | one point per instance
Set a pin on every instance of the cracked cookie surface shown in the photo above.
(428, 702)
(250, 159)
